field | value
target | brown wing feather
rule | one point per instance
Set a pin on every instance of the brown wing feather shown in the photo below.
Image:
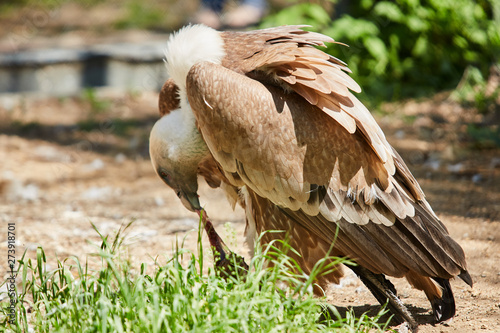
(209, 170)
(302, 146)
(310, 249)
(168, 99)
(287, 55)
(292, 154)
(393, 250)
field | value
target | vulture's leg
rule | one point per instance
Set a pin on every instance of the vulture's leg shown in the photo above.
(225, 260)
(384, 292)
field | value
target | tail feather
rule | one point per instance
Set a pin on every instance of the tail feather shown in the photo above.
(465, 276)
(426, 284)
(444, 307)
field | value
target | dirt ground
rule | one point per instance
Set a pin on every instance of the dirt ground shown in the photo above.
(65, 166)
(66, 163)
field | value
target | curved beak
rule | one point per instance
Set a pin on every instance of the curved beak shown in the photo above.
(184, 185)
(189, 199)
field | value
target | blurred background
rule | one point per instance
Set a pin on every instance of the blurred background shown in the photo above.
(79, 82)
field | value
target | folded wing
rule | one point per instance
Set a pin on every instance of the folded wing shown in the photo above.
(325, 178)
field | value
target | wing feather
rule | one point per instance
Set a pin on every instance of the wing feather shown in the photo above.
(267, 216)
(168, 99)
(283, 147)
(287, 54)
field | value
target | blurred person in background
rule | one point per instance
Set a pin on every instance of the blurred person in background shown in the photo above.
(247, 13)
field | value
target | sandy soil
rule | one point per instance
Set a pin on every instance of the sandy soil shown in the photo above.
(56, 179)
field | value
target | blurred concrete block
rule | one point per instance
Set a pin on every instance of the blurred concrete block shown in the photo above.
(63, 72)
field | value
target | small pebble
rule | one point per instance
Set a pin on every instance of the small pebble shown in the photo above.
(96, 164)
(403, 328)
(433, 164)
(455, 168)
(120, 158)
(477, 178)
(159, 201)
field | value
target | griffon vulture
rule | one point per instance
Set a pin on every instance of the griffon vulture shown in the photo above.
(272, 120)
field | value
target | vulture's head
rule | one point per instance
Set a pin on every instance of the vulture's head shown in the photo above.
(175, 154)
(176, 149)
(176, 146)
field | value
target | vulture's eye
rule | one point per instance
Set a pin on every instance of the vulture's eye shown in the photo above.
(165, 176)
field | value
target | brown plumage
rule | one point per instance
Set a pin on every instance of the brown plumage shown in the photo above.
(169, 100)
(280, 124)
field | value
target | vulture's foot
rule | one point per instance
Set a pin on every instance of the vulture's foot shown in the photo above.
(227, 263)
(385, 292)
(231, 265)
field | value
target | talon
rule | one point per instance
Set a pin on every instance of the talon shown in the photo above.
(225, 260)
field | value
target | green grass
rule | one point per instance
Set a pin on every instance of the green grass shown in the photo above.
(176, 297)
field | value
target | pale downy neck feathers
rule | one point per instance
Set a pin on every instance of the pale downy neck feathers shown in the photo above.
(175, 138)
(187, 47)
(172, 141)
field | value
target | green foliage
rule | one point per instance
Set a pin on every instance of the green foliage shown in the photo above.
(97, 118)
(25, 128)
(97, 105)
(141, 15)
(46, 3)
(303, 13)
(117, 126)
(176, 297)
(408, 48)
(484, 136)
(473, 92)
